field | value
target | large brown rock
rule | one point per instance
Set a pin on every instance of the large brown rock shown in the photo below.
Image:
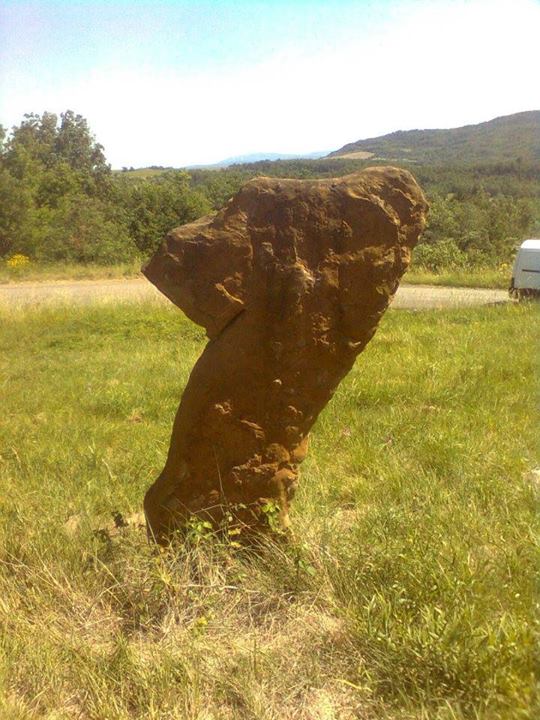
(290, 280)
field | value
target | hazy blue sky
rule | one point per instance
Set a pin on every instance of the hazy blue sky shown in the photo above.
(176, 83)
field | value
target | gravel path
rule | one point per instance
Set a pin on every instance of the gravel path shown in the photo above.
(410, 297)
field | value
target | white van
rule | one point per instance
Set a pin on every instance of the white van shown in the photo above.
(526, 274)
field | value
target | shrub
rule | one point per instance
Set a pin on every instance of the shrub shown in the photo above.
(18, 261)
(82, 230)
(443, 255)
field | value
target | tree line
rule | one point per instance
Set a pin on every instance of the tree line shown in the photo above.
(60, 200)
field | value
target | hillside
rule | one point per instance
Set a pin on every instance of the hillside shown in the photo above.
(499, 140)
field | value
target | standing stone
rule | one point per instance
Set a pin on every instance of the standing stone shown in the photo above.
(290, 280)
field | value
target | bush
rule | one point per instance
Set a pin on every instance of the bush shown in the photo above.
(82, 230)
(18, 261)
(443, 255)
(157, 205)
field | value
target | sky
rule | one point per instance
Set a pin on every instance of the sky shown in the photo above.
(176, 83)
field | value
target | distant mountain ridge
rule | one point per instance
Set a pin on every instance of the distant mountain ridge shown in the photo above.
(510, 137)
(257, 157)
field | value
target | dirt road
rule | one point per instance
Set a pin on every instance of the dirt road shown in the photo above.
(410, 297)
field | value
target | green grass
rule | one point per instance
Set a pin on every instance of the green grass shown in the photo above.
(34, 272)
(480, 277)
(483, 277)
(408, 593)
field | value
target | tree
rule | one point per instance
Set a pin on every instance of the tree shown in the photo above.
(55, 193)
(157, 205)
(77, 146)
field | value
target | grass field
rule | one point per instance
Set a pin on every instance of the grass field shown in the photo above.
(407, 594)
(34, 272)
(480, 277)
(483, 277)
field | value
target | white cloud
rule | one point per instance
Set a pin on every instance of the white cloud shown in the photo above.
(436, 65)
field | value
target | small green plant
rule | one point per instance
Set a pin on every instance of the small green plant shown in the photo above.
(271, 511)
(198, 529)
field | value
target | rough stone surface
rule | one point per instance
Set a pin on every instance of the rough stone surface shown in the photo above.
(290, 280)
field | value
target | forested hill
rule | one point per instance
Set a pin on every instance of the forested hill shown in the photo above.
(505, 138)
(60, 201)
